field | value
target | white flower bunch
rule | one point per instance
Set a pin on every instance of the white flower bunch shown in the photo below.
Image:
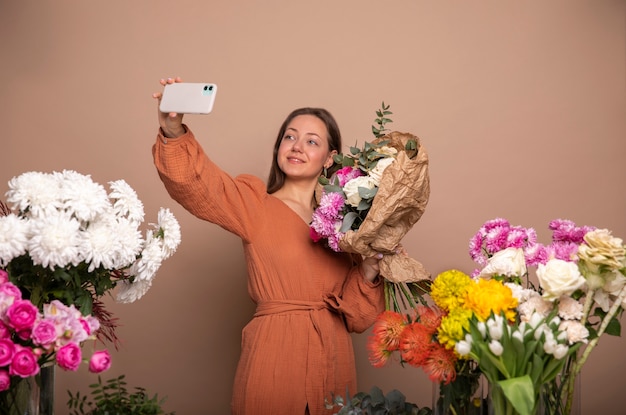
(65, 219)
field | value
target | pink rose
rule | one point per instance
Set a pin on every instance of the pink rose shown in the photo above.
(100, 361)
(7, 350)
(9, 293)
(5, 380)
(21, 315)
(44, 332)
(4, 276)
(69, 356)
(5, 332)
(11, 290)
(24, 363)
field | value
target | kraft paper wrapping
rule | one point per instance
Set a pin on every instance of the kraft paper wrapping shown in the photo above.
(402, 197)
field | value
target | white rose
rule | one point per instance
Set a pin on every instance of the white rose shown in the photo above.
(351, 189)
(509, 262)
(377, 172)
(558, 277)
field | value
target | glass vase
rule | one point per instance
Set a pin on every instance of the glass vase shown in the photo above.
(465, 396)
(553, 401)
(549, 400)
(30, 396)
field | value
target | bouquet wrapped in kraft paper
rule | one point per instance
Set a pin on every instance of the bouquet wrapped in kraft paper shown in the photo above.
(400, 201)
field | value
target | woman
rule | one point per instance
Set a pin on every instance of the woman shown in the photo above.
(296, 351)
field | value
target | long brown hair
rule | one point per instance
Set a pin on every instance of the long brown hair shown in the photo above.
(276, 178)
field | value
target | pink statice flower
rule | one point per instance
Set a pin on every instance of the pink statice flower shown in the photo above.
(4, 276)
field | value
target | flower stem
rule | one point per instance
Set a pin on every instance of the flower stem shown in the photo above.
(569, 389)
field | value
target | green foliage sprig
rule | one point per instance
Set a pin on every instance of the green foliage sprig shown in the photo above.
(382, 118)
(376, 402)
(112, 397)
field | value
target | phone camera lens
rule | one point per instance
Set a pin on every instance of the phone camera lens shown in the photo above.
(206, 87)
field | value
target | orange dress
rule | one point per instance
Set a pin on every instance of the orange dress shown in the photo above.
(296, 351)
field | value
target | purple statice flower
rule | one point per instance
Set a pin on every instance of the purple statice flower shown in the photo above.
(345, 174)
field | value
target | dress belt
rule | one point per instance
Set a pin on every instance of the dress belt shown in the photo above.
(268, 307)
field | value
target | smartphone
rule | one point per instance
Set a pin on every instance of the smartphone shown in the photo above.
(188, 98)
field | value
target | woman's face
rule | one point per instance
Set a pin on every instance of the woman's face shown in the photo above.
(304, 151)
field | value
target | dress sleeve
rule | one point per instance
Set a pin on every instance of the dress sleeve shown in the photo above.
(202, 188)
(360, 302)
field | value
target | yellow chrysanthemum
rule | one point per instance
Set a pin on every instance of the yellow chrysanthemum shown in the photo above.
(449, 289)
(453, 327)
(486, 296)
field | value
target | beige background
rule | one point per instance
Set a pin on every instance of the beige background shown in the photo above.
(521, 105)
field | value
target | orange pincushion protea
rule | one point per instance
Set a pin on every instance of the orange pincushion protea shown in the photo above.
(440, 364)
(416, 344)
(385, 337)
(429, 317)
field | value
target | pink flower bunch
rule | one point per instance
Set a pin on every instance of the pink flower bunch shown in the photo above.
(498, 234)
(30, 338)
(328, 216)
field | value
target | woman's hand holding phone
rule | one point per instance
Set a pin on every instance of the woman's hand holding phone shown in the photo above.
(171, 123)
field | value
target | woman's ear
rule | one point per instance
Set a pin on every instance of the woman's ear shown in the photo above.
(329, 160)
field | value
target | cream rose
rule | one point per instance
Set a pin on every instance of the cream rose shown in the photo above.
(558, 277)
(602, 249)
(377, 172)
(509, 262)
(351, 189)
(387, 151)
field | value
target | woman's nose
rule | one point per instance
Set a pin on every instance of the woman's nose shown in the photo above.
(297, 145)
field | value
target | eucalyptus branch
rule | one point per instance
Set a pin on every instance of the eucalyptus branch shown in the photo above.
(382, 118)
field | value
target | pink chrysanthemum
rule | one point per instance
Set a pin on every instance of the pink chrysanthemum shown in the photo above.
(564, 230)
(328, 215)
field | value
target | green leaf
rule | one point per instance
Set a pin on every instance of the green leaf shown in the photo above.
(614, 328)
(348, 220)
(367, 193)
(520, 393)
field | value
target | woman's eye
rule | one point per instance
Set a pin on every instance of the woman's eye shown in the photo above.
(288, 137)
(313, 142)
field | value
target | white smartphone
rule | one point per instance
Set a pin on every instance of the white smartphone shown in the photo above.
(188, 98)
